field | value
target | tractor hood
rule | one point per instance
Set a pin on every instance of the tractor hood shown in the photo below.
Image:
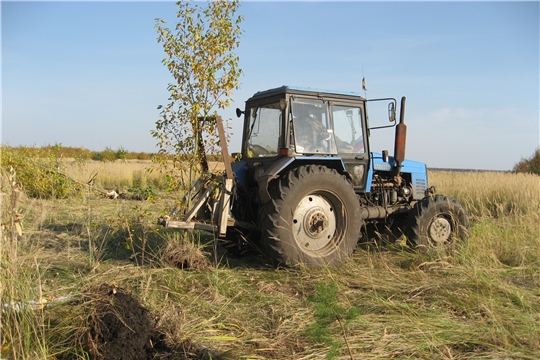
(408, 166)
(416, 170)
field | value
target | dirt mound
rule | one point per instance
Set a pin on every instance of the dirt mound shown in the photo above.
(119, 327)
(185, 255)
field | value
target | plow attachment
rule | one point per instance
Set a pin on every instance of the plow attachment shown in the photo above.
(210, 211)
(212, 200)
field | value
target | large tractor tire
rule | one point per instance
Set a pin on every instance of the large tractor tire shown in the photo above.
(436, 224)
(313, 218)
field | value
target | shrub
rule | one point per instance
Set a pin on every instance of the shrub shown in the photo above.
(140, 156)
(530, 165)
(39, 172)
(97, 157)
(109, 154)
(121, 153)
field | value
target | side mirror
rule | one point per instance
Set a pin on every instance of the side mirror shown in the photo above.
(239, 112)
(391, 112)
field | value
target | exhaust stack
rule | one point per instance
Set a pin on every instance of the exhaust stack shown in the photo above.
(401, 135)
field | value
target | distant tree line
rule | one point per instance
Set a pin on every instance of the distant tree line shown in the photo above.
(79, 153)
(529, 165)
(525, 165)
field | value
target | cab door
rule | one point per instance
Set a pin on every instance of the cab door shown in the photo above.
(349, 127)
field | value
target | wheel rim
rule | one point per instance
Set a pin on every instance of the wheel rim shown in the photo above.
(314, 223)
(440, 231)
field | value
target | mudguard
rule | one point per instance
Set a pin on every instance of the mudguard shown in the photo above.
(286, 163)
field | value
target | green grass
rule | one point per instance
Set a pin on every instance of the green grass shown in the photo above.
(483, 302)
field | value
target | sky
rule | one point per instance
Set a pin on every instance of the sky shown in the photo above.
(89, 74)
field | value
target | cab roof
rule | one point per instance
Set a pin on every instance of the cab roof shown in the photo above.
(287, 89)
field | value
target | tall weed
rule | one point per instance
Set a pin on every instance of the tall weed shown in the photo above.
(21, 297)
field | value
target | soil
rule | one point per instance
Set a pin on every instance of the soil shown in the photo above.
(121, 328)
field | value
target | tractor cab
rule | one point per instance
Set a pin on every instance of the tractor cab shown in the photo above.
(299, 121)
(300, 125)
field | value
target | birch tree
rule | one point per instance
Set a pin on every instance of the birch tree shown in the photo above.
(200, 55)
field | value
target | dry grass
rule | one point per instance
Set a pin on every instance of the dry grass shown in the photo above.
(505, 210)
(122, 174)
(491, 194)
(481, 302)
(116, 175)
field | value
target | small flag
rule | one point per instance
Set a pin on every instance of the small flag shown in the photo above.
(364, 84)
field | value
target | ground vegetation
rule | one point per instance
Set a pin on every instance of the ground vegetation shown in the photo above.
(72, 264)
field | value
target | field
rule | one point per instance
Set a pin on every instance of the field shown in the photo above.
(80, 272)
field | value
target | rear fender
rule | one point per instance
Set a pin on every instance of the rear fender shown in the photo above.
(286, 163)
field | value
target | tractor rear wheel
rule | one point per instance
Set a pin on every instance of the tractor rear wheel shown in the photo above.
(435, 224)
(313, 218)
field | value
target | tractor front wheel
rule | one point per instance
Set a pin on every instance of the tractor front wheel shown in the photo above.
(313, 218)
(436, 223)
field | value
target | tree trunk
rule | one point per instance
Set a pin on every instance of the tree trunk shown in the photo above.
(201, 153)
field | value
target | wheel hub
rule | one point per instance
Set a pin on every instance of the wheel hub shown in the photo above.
(314, 223)
(440, 231)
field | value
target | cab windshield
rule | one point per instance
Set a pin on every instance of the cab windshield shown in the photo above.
(322, 128)
(312, 129)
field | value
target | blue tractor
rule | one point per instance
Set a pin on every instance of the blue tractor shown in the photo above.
(307, 184)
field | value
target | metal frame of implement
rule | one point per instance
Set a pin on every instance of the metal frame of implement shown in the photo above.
(224, 219)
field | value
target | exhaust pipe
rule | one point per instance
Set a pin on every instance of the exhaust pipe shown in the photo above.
(401, 136)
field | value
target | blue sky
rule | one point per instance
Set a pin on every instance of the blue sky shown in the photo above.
(90, 74)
